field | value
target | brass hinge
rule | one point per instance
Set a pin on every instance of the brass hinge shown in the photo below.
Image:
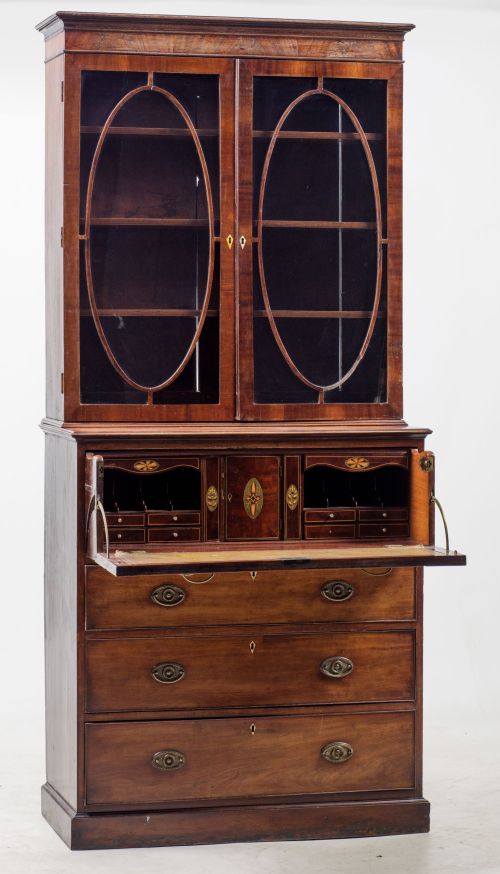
(62, 90)
(62, 237)
(62, 383)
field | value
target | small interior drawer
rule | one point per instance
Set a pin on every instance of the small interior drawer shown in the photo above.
(159, 761)
(127, 535)
(381, 514)
(337, 514)
(388, 530)
(174, 517)
(330, 532)
(128, 519)
(172, 534)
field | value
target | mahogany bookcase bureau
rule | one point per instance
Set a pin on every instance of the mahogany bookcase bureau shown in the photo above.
(237, 516)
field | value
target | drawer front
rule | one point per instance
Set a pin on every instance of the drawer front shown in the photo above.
(244, 671)
(127, 535)
(127, 519)
(235, 758)
(383, 530)
(174, 517)
(330, 532)
(337, 515)
(227, 598)
(167, 535)
(380, 514)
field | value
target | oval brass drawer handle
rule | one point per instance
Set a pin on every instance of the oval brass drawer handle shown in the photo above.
(336, 667)
(168, 672)
(168, 596)
(337, 590)
(168, 760)
(337, 751)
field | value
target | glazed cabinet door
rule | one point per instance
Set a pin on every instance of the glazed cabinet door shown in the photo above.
(319, 240)
(152, 274)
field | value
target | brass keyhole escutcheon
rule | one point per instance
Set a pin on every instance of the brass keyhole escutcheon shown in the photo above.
(253, 728)
(252, 646)
(243, 241)
(253, 576)
(229, 241)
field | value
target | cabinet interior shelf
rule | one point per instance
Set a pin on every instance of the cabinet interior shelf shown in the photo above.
(318, 314)
(320, 225)
(123, 131)
(149, 313)
(148, 221)
(345, 136)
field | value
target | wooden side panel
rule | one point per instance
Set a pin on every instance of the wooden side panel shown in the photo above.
(61, 615)
(54, 175)
(421, 490)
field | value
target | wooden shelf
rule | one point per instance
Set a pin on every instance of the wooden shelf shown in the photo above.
(150, 313)
(347, 137)
(125, 221)
(281, 223)
(317, 314)
(118, 130)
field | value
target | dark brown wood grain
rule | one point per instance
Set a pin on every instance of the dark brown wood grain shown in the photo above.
(285, 755)
(244, 670)
(240, 597)
(265, 822)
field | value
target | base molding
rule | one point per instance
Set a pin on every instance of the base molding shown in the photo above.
(218, 825)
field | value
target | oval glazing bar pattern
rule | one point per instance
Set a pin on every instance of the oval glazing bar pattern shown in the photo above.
(335, 221)
(114, 203)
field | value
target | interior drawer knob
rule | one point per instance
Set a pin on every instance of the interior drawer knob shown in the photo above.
(384, 530)
(336, 667)
(120, 519)
(384, 515)
(337, 590)
(175, 534)
(168, 672)
(332, 515)
(168, 760)
(337, 751)
(168, 596)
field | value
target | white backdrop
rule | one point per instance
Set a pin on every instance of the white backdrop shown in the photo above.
(451, 328)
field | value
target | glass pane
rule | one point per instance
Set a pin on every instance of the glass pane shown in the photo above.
(315, 221)
(151, 266)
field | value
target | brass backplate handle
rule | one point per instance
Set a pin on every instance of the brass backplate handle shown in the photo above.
(336, 667)
(168, 760)
(337, 590)
(168, 672)
(337, 751)
(168, 596)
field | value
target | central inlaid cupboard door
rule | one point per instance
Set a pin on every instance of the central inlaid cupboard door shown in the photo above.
(156, 195)
(319, 240)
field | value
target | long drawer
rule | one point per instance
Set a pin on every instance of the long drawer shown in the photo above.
(236, 670)
(158, 762)
(243, 598)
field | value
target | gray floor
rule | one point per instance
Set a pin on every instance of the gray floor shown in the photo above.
(462, 782)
